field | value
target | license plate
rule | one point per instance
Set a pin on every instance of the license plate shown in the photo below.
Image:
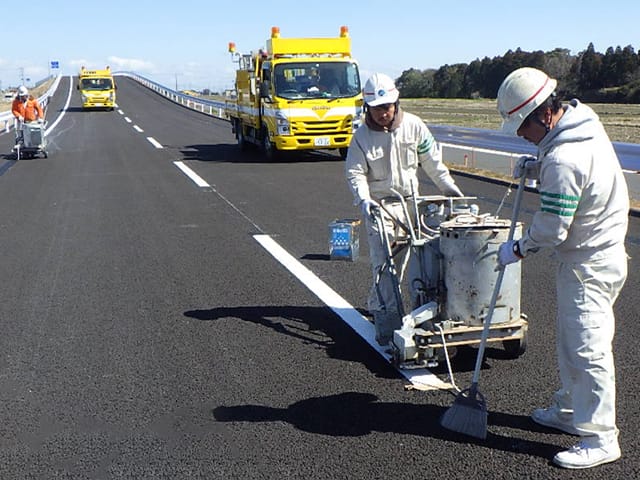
(322, 141)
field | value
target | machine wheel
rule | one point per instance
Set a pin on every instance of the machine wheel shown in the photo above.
(343, 152)
(45, 154)
(515, 348)
(270, 151)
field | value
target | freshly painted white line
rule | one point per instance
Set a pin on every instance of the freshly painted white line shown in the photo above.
(154, 142)
(127, 119)
(64, 109)
(197, 179)
(138, 129)
(120, 112)
(421, 378)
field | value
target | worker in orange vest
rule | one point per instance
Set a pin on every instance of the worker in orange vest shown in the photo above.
(26, 108)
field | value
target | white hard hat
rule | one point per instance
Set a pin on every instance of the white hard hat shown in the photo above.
(379, 90)
(22, 90)
(521, 93)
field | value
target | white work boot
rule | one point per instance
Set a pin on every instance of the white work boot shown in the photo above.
(587, 454)
(554, 417)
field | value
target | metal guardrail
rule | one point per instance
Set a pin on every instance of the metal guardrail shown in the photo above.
(7, 119)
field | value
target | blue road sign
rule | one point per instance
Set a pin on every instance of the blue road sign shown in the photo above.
(55, 64)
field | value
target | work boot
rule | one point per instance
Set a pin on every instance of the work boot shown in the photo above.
(588, 453)
(554, 417)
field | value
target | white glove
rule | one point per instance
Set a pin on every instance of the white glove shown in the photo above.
(367, 205)
(527, 166)
(507, 253)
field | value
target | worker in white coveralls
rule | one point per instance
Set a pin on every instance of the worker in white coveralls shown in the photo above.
(583, 217)
(385, 154)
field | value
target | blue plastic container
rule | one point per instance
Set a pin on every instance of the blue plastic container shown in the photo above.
(344, 241)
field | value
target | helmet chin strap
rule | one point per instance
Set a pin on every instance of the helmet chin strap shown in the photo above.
(546, 127)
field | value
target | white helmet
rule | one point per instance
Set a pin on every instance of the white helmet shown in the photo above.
(521, 93)
(379, 90)
(22, 91)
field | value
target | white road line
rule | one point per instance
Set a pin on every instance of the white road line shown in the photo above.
(138, 129)
(64, 109)
(421, 378)
(127, 119)
(197, 179)
(154, 142)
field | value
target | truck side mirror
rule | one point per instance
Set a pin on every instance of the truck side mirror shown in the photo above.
(265, 87)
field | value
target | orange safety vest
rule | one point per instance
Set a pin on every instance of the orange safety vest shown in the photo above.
(29, 110)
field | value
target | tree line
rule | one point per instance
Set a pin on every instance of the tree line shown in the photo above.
(612, 77)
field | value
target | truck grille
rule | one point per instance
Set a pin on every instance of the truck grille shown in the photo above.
(321, 127)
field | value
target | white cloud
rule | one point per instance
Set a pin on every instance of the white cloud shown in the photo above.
(130, 64)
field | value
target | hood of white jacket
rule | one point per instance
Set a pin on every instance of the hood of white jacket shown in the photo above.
(578, 123)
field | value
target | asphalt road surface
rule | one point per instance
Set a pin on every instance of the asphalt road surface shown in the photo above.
(147, 333)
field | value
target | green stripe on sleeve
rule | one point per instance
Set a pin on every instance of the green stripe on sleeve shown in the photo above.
(558, 204)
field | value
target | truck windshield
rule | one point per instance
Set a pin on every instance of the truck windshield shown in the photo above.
(298, 80)
(96, 84)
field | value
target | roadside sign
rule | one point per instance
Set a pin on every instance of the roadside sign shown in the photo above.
(55, 64)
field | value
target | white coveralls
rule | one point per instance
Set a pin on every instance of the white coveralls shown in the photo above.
(378, 161)
(584, 217)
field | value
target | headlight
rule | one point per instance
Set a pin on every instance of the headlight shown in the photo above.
(282, 125)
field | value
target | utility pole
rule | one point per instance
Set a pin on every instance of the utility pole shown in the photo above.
(22, 75)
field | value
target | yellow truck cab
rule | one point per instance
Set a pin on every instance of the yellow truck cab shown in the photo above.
(97, 88)
(298, 94)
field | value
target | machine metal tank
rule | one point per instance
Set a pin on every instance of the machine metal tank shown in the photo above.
(469, 247)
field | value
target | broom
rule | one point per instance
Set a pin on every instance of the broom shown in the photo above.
(468, 414)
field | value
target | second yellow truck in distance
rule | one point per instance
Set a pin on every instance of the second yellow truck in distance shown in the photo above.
(97, 88)
(298, 94)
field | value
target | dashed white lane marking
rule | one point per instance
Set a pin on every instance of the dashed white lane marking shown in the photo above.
(138, 129)
(127, 119)
(197, 179)
(420, 378)
(154, 142)
(120, 112)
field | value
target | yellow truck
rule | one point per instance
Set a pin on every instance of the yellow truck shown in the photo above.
(97, 88)
(297, 94)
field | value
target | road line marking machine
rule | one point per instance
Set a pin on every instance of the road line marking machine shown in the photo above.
(456, 249)
(31, 140)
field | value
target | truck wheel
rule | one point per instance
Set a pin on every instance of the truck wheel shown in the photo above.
(240, 138)
(343, 153)
(270, 151)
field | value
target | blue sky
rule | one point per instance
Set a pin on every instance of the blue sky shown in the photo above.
(186, 43)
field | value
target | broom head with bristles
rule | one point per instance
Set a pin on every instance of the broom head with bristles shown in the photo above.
(468, 414)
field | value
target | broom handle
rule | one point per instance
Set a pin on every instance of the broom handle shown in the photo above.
(496, 289)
